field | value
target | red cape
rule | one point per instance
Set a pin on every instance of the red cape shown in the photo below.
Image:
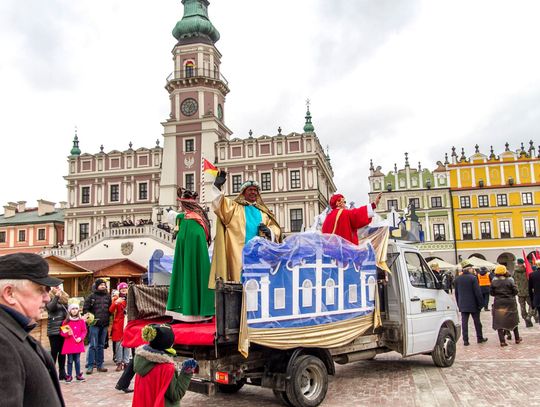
(150, 389)
(348, 223)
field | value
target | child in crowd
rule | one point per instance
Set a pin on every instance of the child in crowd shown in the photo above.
(74, 331)
(118, 309)
(159, 381)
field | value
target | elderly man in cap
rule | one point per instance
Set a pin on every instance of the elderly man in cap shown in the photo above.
(239, 221)
(346, 222)
(28, 375)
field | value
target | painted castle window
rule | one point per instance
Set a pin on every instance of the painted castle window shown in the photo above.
(330, 292)
(252, 291)
(307, 296)
(353, 294)
(279, 298)
(189, 69)
(372, 284)
(297, 220)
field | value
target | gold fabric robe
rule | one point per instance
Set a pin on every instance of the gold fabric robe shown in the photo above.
(231, 236)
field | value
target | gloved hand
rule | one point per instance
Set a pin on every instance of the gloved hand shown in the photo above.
(189, 366)
(265, 230)
(221, 178)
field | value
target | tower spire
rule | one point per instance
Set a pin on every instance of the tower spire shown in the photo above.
(75, 150)
(195, 24)
(308, 126)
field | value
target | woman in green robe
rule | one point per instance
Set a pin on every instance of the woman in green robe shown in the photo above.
(190, 299)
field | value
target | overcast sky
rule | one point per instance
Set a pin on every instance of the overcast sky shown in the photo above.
(384, 77)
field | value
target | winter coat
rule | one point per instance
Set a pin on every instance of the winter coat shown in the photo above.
(520, 277)
(118, 311)
(534, 288)
(28, 374)
(78, 328)
(468, 295)
(98, 303)
(504, 310)
(57, 314)
(158, 383)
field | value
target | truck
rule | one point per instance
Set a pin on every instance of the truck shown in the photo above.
(417, 315)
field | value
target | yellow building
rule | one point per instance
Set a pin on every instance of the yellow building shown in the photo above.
(496, 202)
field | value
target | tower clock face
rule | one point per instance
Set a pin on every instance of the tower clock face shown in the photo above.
(189, 107)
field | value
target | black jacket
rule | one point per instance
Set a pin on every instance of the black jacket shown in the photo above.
(57, 314)
(534, 288)
(468, 294)
(98, 303)
(28, 375)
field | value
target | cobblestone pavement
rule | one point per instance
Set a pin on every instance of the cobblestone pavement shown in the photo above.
(482, 375)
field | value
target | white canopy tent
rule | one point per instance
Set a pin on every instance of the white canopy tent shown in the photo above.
(443, 265)
(477, 262)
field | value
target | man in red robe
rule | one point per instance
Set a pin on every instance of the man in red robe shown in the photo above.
(346, 222)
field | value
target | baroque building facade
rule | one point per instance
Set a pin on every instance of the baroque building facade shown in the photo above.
(429, 192)
(496, 200)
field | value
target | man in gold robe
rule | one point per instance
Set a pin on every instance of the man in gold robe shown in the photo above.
(238, 221)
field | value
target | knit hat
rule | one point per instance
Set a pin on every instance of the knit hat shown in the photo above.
(520, 261)
(121, 286)
(73, 306)
(334, 200)
(159, 337)
(99, 281)
(500, 270)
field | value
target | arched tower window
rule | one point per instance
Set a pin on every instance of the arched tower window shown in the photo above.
(330, 292)
(189, 69)
(252, 294)
(307, 298)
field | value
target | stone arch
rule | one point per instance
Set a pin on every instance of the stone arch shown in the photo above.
(507, 259)
(478, 255)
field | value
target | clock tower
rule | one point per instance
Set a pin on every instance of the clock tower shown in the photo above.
(197, 93)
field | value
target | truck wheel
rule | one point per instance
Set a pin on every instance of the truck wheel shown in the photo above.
(444, 353)
(231, 388)
(308, 382)
(282, 396)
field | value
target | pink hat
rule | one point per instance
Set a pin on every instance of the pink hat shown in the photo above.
(122, 285)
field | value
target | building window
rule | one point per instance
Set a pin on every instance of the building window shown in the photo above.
(190, 182)
(439, 234)
(465, 201)
(436, 202)
(483, 201)
(83, 231)
(466, 231)
(530, 228)
(85, 195)
(236, 183)
(2, 237)
(41, 234)
(526, 198)
(295, 179)
(115, 193)
(143, 191)
(504, 226)
(502, 200)
(414, 202)
(266, 184)
(392, 203)
(189, 69)
(189, 145)
(22, 235)
(296, 220)
(485, 230)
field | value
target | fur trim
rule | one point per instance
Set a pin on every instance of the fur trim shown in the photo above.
(151, 355)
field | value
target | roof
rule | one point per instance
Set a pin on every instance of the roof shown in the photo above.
(102, 264)
(30, 216)
(76, 270)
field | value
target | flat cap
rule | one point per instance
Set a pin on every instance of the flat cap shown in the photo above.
(27, 266)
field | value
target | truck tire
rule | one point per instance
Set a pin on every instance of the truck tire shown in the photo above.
(444, 353)
(282, 396)
(231, 388)
(308, 382)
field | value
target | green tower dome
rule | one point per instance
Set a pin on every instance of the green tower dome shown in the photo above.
(308, 127)
(75, 150)
(195, 23)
